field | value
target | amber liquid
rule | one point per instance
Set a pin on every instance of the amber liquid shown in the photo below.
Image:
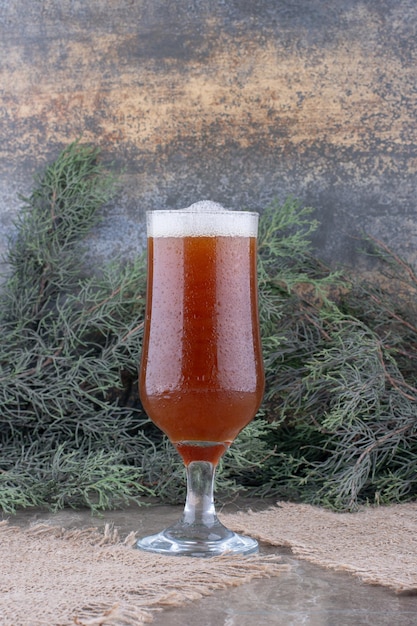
(201, 377)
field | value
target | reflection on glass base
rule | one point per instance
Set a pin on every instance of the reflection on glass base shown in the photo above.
(167, 542)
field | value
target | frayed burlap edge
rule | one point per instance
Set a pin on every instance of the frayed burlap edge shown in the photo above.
(377, 544)
(56, 576)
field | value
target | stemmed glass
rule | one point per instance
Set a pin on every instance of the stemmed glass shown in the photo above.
(201, 374)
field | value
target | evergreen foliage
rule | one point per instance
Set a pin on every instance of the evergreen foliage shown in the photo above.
(67, 345)
(341, 382)
(338, 425)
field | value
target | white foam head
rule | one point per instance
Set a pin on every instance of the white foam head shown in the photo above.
(202, 219)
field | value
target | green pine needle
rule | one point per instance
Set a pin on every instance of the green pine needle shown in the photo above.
(338, 426)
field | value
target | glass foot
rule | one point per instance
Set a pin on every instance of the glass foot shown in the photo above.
(172, 543)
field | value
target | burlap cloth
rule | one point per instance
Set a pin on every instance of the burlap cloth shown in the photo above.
(379, 545)
(56, 577)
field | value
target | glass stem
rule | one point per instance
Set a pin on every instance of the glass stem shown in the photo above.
(199, 505)
(199, 532)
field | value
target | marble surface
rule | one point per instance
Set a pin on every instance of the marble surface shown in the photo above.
(240, 102)
(305, 595)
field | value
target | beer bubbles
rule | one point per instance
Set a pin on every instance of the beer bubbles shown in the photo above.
(202, 219)
(205, 206)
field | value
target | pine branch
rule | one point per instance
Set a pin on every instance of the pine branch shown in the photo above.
(338, 425)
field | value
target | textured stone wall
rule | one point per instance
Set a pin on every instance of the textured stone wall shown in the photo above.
(238, 101)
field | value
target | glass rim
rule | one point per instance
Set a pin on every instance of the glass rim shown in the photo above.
(203, 212)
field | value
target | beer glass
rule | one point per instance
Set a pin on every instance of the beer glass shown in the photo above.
(201, 374)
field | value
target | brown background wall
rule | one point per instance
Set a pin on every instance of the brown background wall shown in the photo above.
(239, 101)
